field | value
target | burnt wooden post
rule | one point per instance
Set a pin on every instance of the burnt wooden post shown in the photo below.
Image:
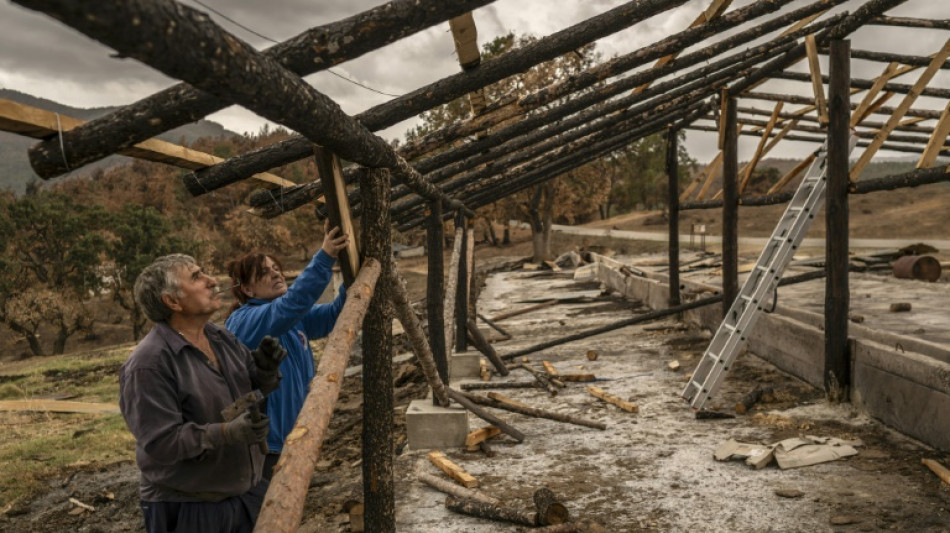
(837, 296)
(461, 288)
(378, 423)
(435, 305)
(730, 204)
(672, 173)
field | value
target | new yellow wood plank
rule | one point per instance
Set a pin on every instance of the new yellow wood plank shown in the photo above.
(811, 50)
(453, 470)
(759, 150)
(41, 124)
(937, 141)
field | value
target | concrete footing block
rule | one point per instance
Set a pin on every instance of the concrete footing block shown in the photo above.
(464, 365)
(429, 426)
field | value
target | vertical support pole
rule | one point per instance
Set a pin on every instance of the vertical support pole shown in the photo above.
(461, 294)
(672, 173)
(378, 435)
(837, 295)
(435, 305)
(470, 243)
(730, 205)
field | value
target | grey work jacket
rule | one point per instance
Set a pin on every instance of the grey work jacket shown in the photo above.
(171, 398)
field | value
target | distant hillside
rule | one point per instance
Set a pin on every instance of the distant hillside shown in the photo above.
(15, 171)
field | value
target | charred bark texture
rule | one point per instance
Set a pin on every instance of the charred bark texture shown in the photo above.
(312, 51)
(378, 422)
(535, 412)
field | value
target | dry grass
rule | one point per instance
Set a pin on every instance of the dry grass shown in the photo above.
(39, 447)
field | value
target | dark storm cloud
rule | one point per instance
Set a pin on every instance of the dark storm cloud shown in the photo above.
(45, 58)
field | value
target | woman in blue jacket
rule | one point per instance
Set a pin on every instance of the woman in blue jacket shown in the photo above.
(267, 306)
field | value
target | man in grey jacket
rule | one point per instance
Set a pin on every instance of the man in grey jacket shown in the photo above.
(198, 472)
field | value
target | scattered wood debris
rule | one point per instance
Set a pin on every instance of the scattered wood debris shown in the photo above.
(938, 469)
(752, 398)
(673, 365)
(480, 435)
(451, 488)
(453, 470)
(610, 398)
(591, 355)
(900, 307)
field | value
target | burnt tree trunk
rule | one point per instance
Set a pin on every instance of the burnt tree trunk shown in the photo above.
(534, 412)
(487, 350)
(378, 421)
(407, 317)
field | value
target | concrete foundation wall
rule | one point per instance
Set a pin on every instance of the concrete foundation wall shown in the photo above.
(901, 381)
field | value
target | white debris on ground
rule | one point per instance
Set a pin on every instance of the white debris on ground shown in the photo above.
(655, 470)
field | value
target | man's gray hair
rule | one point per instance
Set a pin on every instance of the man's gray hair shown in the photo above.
(158, 279)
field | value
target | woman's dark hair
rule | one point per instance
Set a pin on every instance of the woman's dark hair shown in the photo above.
(247, 270)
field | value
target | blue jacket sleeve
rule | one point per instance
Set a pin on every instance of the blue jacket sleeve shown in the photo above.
(251, 323)
(320, 320)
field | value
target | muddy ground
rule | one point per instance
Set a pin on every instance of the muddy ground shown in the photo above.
(650, 471)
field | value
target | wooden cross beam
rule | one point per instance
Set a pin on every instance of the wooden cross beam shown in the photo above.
(42, 124)
(811, 49)
(938, 140)
(928, 74)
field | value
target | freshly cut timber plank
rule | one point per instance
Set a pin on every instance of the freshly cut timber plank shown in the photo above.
(610, 398)
(482, 434)
(938, 469)
(549, 368)
(453, 470)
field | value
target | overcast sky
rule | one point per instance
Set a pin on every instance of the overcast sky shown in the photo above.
(40, 56)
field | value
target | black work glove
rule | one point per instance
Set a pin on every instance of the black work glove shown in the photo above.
(267, 357)
(244, 430)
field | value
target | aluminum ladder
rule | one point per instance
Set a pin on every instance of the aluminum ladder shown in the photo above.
(762, 281)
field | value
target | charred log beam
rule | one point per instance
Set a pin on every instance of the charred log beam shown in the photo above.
(162, 33)
(504, 110)
(674, 43)
(887, 57)
(915, 178)
(535, 412)
(900, 88)
(849, 24)
(463, 400)
(312, 51)
(820, 139)
(378, 424)
(294, 197)
(491, 192)
(804, 100)
(911, 128)
(674, 95)
(908, 22)
(912, 139)
(410, 322)
(543, 168)
(531, 124)
(447, 89)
